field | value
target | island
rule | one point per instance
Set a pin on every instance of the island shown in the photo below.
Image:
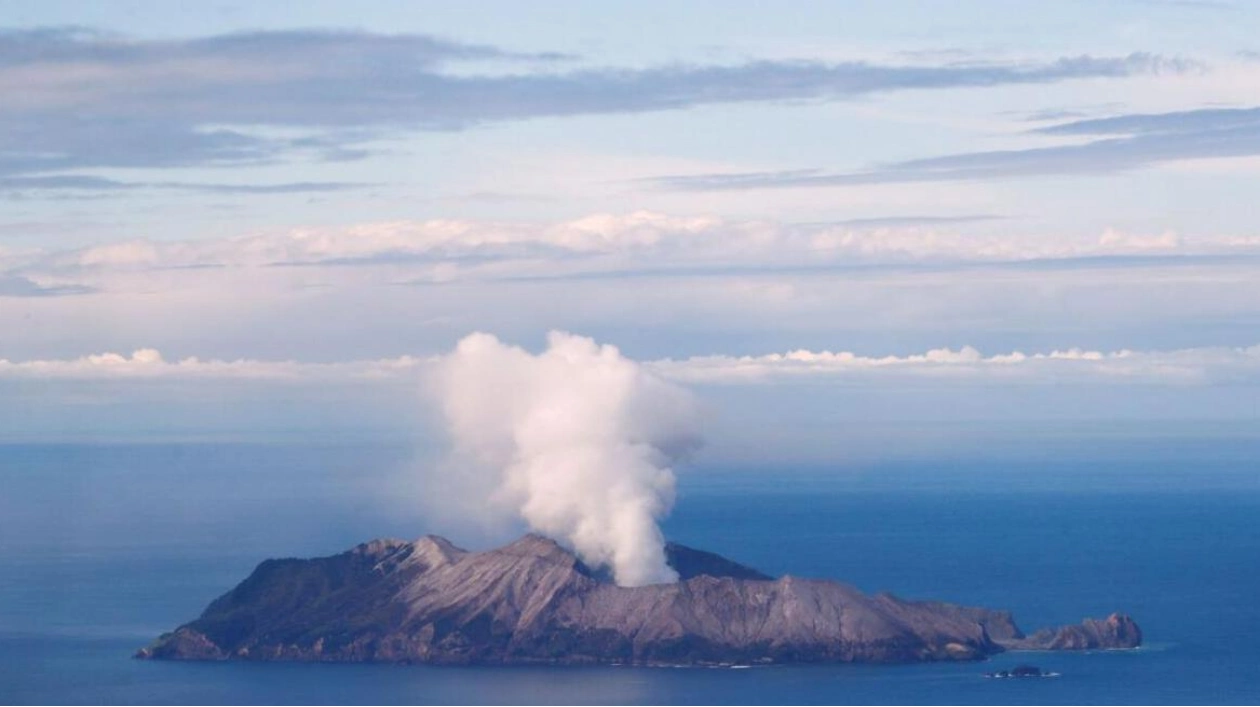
(535, 602)
(1021, 672)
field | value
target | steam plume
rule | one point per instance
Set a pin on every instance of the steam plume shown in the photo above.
(578, 441)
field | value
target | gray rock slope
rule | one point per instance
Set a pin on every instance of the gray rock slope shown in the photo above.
(534, 602)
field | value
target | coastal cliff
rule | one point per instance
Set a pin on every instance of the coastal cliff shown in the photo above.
(533, 601)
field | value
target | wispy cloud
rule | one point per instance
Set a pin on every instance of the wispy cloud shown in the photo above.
(1175, 123)
(76, 99)
(19, 286)
(77, 182)
(1209, 5)
(1127, 142)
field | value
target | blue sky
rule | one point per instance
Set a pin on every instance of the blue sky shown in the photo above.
(286, 208)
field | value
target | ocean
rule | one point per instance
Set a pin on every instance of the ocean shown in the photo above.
(104, 546)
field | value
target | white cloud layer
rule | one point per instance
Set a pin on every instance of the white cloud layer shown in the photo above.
(147, 364)
(609, 244)
(1176, 366)
(1180, 366)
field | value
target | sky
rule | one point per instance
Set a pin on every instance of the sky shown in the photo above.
(854, 228)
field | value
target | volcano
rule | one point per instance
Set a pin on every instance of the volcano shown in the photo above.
(535, 602)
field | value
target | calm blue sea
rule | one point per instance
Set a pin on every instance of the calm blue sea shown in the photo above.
(102, 547)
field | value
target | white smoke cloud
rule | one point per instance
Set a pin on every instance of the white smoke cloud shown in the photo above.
(578, 441)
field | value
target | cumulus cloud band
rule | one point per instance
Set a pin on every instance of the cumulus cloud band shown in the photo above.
(1203, 364)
